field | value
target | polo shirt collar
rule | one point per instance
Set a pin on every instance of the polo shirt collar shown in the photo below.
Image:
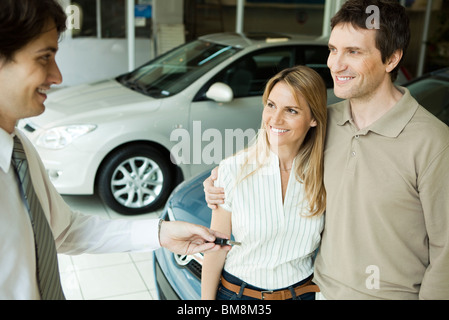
(346, 116)
(394, 121)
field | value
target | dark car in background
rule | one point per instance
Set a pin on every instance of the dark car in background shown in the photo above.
(432, 92)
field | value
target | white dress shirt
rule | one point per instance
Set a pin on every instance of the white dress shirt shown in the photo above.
(74, 233)
(277, 238)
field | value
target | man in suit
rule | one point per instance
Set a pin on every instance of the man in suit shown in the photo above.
(35, 222)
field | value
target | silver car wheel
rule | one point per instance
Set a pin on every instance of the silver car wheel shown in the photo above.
(137, 182)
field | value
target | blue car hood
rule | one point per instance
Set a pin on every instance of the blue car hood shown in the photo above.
(188, 203)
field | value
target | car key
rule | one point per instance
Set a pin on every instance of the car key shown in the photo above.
(224, 242)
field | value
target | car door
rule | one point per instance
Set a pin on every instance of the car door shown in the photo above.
(218, 130)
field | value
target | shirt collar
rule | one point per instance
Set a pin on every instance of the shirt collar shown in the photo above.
(394, 121)
(274, 160)
(7, 144)
(346, 115)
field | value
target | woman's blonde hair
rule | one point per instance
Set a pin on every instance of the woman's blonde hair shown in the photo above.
(305, 82)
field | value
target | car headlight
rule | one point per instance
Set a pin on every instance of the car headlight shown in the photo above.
(59, 137)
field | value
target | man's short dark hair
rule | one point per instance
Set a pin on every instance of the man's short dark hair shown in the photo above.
(21, 21)
(394, 28)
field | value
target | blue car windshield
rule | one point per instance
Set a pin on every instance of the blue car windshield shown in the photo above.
(172, 72)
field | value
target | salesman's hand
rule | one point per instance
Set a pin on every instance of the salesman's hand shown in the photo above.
(187, 238)
(214, 195)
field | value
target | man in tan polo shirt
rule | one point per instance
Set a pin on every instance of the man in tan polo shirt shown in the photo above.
(387, 220)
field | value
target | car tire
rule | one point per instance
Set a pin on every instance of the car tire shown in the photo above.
(136, 179)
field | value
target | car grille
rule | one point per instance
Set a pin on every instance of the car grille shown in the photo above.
(193, 263)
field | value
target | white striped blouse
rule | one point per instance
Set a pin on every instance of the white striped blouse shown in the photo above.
(278, 239)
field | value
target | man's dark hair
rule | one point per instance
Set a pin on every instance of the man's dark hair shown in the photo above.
(21, 21)
(394, 28)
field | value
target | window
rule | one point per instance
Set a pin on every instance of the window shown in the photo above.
(174, 71)
(111, 23)
(249, 75)
(88, 19)
(113, 19)
(315, 57)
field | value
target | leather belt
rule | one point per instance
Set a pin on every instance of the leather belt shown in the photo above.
(285, 294)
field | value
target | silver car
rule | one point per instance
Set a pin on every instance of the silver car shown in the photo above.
(132, 139)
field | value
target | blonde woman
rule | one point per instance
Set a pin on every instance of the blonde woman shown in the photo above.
(274, 198)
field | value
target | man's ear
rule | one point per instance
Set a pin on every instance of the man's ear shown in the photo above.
(393, 60)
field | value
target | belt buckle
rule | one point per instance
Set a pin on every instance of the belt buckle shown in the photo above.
(265, 292)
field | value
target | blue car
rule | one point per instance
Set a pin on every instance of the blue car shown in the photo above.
(179, 277)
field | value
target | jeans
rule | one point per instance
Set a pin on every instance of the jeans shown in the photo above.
(225, 294)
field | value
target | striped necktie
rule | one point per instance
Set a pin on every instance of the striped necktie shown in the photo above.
(47, 271)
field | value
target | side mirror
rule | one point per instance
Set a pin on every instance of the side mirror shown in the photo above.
(220, 92)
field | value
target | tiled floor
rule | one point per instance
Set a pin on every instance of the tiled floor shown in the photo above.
(106, 276)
